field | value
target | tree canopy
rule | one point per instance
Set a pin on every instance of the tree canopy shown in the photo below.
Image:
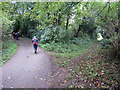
(53, 21)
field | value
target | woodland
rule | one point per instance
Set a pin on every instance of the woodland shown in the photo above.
(82, 37)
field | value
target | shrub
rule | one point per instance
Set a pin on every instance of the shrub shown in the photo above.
(51, 34)
(106, 43)
(32, 32)
(74, 45)
(8, 49)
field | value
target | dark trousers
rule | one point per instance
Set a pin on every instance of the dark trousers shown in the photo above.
(35, 47)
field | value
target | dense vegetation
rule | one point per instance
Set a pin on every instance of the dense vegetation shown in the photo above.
(8, 49)
(62, 21)
(69, 29)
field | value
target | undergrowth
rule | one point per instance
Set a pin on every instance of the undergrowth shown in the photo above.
(72, 46)
(8, 50)
(97, 69)
(67, 51)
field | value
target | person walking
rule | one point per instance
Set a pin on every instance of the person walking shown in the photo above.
(14, 36)
(17, 35)
(35, 43)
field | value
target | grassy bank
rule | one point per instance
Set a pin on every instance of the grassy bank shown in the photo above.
(8, 50)
(68, 51)
(98, 69)
(85, 63)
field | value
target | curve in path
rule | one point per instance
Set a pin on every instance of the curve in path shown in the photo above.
(26, 69)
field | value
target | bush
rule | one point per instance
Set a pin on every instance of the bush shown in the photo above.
(74, 45)
(6, 24)
(51, 34)
(8, 49)
(32, 32)
(106, 43)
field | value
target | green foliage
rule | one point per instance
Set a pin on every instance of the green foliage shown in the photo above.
(95, 68)
(51, 34)
(6, 23)
(98, 70)
(88, 26)
(71, 49)
(33, 32)
(48, 20)
(68, 77)
(106, 43)
(55, 24)
(8, 49)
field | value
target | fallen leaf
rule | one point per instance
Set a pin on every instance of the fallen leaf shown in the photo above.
(11, 87)
(9, 77)
(35, 77)
(41, 78)
(65, 81)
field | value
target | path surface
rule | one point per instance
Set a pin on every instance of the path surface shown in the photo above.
(26, 69)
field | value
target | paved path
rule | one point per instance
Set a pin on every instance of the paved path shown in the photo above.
(26, 69)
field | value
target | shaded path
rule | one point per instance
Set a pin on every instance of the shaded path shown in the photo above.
(26, 69)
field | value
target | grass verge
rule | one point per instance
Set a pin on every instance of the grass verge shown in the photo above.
(66, 52)
(8, 50)
(98, 70)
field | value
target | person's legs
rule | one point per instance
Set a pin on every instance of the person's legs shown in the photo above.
(16, 37)
(35, 48)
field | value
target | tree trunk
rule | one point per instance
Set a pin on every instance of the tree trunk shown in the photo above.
(67, 23)
(76, 34)
(59, 19)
